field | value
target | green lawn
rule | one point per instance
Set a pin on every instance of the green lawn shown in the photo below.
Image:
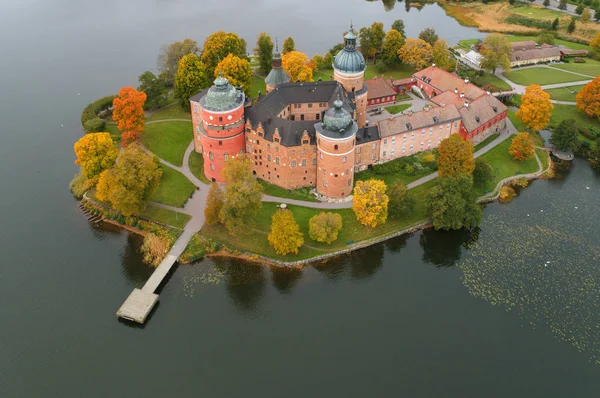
(394, 109)
(196, 165)
(389, 179)
(544, 157)
(520, 126)
(114, 132)
(173, 111)
(590, 67)
(541, 76)
(325, 75)
(536, 12)
(168, 140)
(565, 93)
(299, 194)
(485, 142)
(400, 71)
(258, 84)
(564, 112)
(174, 188)
(165, 216)
(466, 44)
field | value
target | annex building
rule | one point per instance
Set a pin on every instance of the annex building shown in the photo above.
(316, 134)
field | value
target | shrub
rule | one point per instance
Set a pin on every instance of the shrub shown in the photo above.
(94, 125)
(154, 249)
(380, 66)
(325, 227)
(197, 248)
(92, 110)
(80, 184)
(506, 194)
(588, 134)
(520, 182)
(579, 60)
(429, 158)
(409, 170)
(526, 21)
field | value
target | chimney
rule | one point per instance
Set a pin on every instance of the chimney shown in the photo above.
(487, 92)
(462, 95)
(466, 104)
(466, 80)
(456, 91)
(433, 65)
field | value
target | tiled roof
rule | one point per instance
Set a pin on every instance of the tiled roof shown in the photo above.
(402, 82)
(481, 111)
(535, 53)
(379, 87)
(523, 45)
(418, 120)
(446, 81)
(568, 51)
(449, 98)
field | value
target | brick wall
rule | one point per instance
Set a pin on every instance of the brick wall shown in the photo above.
(335, 166)
(366, 155)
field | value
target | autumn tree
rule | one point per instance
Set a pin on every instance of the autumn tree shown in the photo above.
(237, 71)
(264, 50)
(496, 51)
(588, 99)
(416, 53)
(130, 183)
(95, 153)
(296, 64)
(325, 227)
(401, 202)
(565, 135)
(536, 108)
(128, 110)
(155, 248)
(482, 172)
(429, 36)
(156, 92)
(288, 46)
(371, 39)
(452, 203)
(522, 147)
(398, 25)
(169, 57)
(455, 156)
(442, 56)
(214, 204)
(191, 77)
(595, 43)
(242, 196)
(585, 16)
(218, 46)
(128, 138)
(370, 203)
(285, 236)
(392, 44)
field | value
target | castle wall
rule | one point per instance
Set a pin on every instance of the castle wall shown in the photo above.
(335, 166)
(365, 155)
(491, 127)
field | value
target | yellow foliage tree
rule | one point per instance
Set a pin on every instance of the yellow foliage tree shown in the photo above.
(455, 156)
(416, 53)
(522, 147)
(237, 71)
(155, 248)
(371, 202)
(536, 108)
(595, 43)
(442, 56)
(325, 227)
(285, 236)
(218, 45)
(297, 65)
(95, 153)
(214, 204)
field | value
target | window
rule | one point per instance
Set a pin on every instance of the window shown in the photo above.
(293, 163)
(197, 118)
(197, 129)
(321, 155)
(211, 156)
(324, 171)
(344, 159)
(276, 140)
(220, 119)
(226, 156)
(448, 127)
(372, 156)
(196, 108)
(412, 136)
(349, 181)
(335, 147)
(403, 149)
(384, 153)
(276, 149)
(422, 132)
(357, 160)
(277, 160)
(392, 153)
(304, 142)
(303, 162)
(374, 146)
(212, 167)
(220, 143)
(269, 157)
(385, 141)
(394, 140)
(268, 146)
(411, 147)
(324, 183)
(318, 116)
(248, 148)
(314, 149)
(404, 137)
(257, 142)
(310, 105)
(314, 161)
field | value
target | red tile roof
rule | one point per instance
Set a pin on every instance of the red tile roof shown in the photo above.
(446, 81)
(481, 111)
(379, 87)
(418, 120)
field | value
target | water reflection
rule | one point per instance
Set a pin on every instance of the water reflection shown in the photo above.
(133, 268)
(444, 248)
(284, 279)
(361, 265)
(389, 5)
(246, 284)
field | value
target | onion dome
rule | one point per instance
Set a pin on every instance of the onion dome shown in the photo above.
(222, 96)
(337, 122)
(349, 60)
(277, 75)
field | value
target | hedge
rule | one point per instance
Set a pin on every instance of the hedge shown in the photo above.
(92, 110)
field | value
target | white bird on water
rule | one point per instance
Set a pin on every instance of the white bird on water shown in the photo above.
(78, 94)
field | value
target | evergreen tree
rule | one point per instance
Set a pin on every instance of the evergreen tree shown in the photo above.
(399, 26)
(562, 5)
(564, 136)
(546, 3)
(597, 14)
(288, 45)
(555, 24)
(571, 27)
(579, 9)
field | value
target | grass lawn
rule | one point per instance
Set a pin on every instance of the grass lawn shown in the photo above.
(541, 76)
(258, 84)
(403, 97)
(564, 112)
(114, 132)
(466, 44)
(544, 157)
(196, 165)
(485, 142)
(389, 178)
(537, 12)
(520, 126)
(590, 67)
(565, 93)
(168, 140)
(394, 109)
(299, 194)
(489, 79)
(325, 75)
(400, 71)
(174, 188)
(173, 111)
(165, 216)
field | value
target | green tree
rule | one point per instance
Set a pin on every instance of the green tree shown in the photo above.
(429, 36)
(327, 61)
(546, 3)
(442, 56)
(325, 227)
(129, 185)
(398, 26)
(191, 77)
(555, 24)
(512, 2)
(95, 153)
(288, 45)
(264, 49)
(562, 5)
(214, 204)
(452, 204)
(371, 39)
(237, 71)
(456, 156)
(156, 92)
(336, 49)
(564, 136)
(218, 46)
(169, 57)
(392, 44)
(579, 9)
(571, 27)
(597, 14)
(285, 236)
(546, 38)
(317, 61)
(401, 202)
(482, 172)
(496, 51)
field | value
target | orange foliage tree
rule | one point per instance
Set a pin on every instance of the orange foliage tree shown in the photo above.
(588, 99)
(297, 65)
(536, 108)
(129, 109)
(522, 147)
(456, 156)
(129, 137)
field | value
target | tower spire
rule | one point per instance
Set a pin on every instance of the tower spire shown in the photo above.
(276, 44)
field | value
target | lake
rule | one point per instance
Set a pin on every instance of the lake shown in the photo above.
(510, 310)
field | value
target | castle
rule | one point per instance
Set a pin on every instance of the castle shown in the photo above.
(316, 134)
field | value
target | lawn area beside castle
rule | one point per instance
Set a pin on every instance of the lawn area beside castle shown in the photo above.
(565, 112)
(165, 216)
(196, 165)
(395, 109)
(590, 67)
(168, 140)
(173, 111)
(565, 93)
(258, 85)
(400, 71)
(298, 194)
(541, 75)
(174, 189)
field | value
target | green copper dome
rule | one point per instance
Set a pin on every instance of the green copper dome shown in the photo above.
(349, 60)
(222, 96)
(337, 122)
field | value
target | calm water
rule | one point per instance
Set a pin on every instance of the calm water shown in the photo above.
(444, 315)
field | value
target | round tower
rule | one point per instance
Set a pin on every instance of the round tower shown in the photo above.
(336, 136)
(220, 134)
(277, 75)
(349, 69)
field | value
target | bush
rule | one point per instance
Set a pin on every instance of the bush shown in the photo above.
(92, 110)
(325, 227)
(154, 249)
(506, 194)
(380, 66)
(94, 125)
(526, 21)
(588, 134)
(80, 184)
(197, 248)
(409, 170)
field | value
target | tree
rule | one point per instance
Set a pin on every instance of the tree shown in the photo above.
(130, 183)
(392, 44)
(401, 203)
(264, 49)
(455, 156)
(242, 196)
(155, 248)
(522, 147)
(595, 43)
(370, 202)
(327, 61)
(579, 9)
(496, 51)
(94, 125)
(429, 36)
(219, 45)
(442, 56)
(555, 24)
(95, 153)
(128, 110)
(285, 236)
(169, 57)
(214, 204)
(452, 204)
(288, 46)
(128, 138)
(546, 38)
(597, 15)
(546, 3)
(588, 99)
(317, 60)
(156, 92)
(536, 108)
(586, 16)
(564, 136)
(562, 5)
(296, 64)
(416, 53)
(571, 27)
(371, 39)
(482, 172)
(512, 2)
(325, 227)
(336, 49)
(237, 71)
(191, 77)
(398, 26)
